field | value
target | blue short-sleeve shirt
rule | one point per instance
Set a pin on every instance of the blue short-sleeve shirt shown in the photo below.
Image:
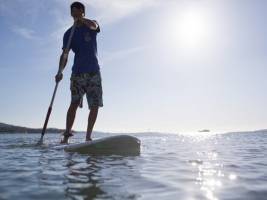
(84, 46)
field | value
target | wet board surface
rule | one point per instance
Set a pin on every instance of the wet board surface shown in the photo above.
(120, 144)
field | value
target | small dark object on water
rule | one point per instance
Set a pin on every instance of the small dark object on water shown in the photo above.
(204, 131)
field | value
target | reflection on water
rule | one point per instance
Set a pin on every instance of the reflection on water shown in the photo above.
(98, 177)
(84, 177)
(230, 166)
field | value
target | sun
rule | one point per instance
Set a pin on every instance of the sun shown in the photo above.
(190, 29)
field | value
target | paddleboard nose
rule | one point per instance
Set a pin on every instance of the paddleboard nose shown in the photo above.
(119, 145)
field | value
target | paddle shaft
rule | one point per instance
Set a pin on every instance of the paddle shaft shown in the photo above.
(49, 111)
(56, 86)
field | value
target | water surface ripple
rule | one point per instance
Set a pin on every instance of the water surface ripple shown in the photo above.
(202, 166)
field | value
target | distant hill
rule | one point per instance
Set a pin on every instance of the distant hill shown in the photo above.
(262, 130)
(8, 128)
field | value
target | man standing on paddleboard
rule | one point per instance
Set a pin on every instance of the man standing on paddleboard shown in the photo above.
(85, 77)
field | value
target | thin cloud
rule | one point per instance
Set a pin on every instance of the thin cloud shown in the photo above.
(32, 12)
(21, 12)
(106, 12)
(110, 11)
(21, 17)
(25, 33)
(119, 54)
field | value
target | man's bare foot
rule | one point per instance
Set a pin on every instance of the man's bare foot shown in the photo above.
(66, 137)
(65, 140)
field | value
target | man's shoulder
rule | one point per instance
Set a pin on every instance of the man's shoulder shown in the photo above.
(67, 32)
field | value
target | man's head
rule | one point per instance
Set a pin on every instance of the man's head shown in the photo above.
(77, 10)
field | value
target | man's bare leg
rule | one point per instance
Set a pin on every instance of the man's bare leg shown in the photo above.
(91, 122)
(70, 119)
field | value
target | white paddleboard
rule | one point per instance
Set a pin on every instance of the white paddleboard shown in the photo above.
(120, 144)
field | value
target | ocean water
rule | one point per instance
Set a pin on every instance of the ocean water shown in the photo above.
(170, 166)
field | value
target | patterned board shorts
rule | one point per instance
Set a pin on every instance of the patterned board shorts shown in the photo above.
(89, 84)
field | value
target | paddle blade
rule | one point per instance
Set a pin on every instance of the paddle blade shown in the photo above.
(40, 142)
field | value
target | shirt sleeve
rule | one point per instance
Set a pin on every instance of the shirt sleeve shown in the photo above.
(65, 40)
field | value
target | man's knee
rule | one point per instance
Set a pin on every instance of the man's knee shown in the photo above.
(74, 106)
(94, 109)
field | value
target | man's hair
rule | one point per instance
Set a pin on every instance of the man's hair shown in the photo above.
(78, 5)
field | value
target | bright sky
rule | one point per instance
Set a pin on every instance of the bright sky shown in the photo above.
(167, 65)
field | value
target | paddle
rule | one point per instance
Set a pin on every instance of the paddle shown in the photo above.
(55, 90)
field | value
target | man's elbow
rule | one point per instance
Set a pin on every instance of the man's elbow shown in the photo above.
(94, 25)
